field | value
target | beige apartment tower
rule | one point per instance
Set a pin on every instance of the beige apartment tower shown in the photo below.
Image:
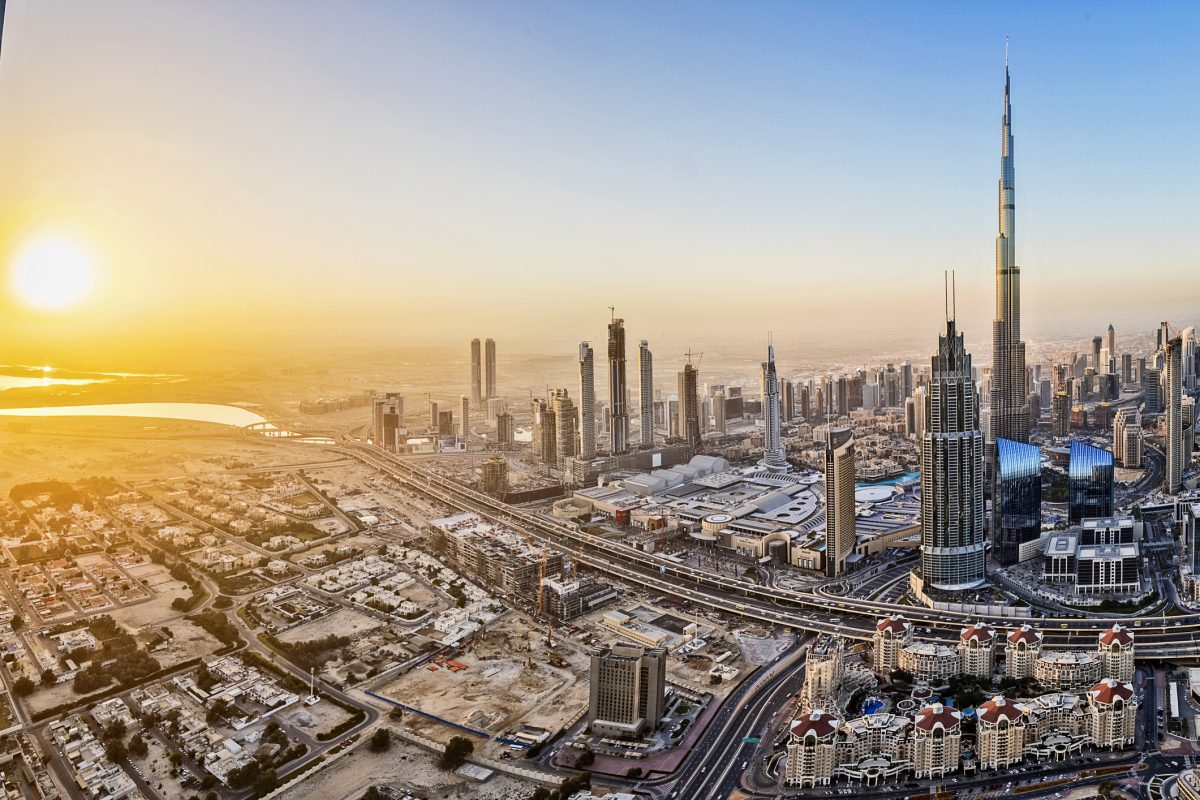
(628, 690)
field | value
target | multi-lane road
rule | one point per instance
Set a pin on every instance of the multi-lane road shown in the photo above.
(1170, 637)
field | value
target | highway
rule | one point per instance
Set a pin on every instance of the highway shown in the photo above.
(1176, 637)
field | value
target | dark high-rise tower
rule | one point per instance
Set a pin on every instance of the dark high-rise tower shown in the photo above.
(489, 369)
(1008, 401)
(689, 404)
(476, 374)
(952, 532)
(587, 402)
(618, 391)
(646, 392)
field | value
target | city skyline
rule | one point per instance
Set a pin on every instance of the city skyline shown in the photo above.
(707, 204)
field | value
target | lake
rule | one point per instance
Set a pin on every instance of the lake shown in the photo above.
(192, 412)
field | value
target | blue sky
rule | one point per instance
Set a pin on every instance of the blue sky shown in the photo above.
(711, 169)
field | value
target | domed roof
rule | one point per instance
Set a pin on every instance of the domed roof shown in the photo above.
(980, 632)
(937, 715)
(817, 723)
(998, 709)
(1117, 634)
(1108, 690)
(1026, 633)
(895, 623)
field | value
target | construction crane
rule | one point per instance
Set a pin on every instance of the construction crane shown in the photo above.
(699, 357)
(541, 589)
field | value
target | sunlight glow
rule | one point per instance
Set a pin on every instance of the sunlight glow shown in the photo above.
(52, 273)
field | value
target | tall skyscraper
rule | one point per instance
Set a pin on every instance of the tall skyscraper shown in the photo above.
(689, 404)
(773, 454)
(1188, 360)
(1017, 503)
(489, 364)
(1174, 407)
(920, 409)
(840, 532)
(587, 402)
(387, 418)
(1089, 483)
(564, 420)
(1111, 340)
(476, 374)
(504, 431)
(464, 421)
(1009, 417)
(646, 392)
(545, 432)
(433, 414)
(719, 412)
(787, 401)
(1097, 353)
(952, 529)
(1127, 438)
(617, 390)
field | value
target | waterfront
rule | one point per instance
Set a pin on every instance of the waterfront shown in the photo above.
(193, 412)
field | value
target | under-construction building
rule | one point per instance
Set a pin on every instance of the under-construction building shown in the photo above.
(566, 600)
(498, 557)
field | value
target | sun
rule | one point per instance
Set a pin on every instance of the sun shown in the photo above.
(53, 273)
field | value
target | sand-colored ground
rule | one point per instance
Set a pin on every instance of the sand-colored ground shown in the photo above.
(316, 718)
(69, 448)
(343, 622)
(509, 681)
(190, 641)
(157, 608)
(157, 770)
(44, 697)
(402, 766)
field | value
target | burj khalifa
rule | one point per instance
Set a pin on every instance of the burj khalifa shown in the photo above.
(1009, 398)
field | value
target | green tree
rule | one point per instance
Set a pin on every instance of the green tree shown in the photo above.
(115, 750)
(48, 677)
(456, 752)
(22, 686)
(115, 730)
(381, 740)
(137, 747)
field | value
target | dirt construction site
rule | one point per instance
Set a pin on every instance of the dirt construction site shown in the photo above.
(511, 678)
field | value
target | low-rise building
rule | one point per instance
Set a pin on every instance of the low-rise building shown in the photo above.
(1067, 670)
(930, 662)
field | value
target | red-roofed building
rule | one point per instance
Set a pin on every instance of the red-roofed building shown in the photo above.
(1112, 712)
(937, 741)
(1001, 732)
(812, 749)
(976, 650)
(1023, 645)
(891, 634)
(1115, 648)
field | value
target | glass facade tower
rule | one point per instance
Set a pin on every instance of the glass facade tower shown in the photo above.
(1017, 505)
(1090, 493)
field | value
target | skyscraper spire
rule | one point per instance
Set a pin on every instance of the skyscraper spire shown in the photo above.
(1009, 418)
(774, 458)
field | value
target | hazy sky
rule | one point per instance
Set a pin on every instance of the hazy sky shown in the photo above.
(441, 170)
